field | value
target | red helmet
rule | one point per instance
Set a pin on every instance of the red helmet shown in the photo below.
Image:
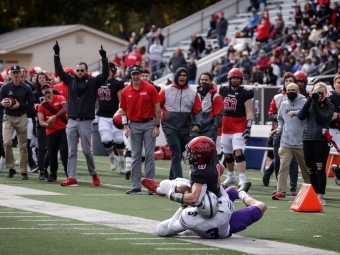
(300, 76)
(235, 73)
(117, 120)
(199, 151)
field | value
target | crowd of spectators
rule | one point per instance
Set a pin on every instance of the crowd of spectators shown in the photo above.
(311, 44)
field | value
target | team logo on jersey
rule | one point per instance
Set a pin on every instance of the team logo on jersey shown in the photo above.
(10, 93)
(202, 166)
(143, 93)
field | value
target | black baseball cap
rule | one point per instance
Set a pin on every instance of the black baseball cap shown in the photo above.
(15, 68)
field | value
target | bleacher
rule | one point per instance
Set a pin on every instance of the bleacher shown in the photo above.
(178, 34)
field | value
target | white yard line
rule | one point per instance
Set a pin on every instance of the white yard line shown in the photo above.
(10, 197)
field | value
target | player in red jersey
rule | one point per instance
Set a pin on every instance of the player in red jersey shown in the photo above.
(236, 124)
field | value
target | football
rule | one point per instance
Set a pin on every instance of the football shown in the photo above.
(10, 100)
(183, 189)
(117, 120)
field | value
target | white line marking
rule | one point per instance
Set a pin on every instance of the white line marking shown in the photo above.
(9, 198)
(22, 216)
(187, 249)
(65, 224)
(135, 238)
(15, 212)
(54, 228)
(161, 243)
(44, 220)
(109, 233)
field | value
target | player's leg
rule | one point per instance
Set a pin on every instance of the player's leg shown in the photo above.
(105, 131)
(163, 229)
(117, 135)
(243, 218)
(226, 141)
(128, 158)
(239, 146)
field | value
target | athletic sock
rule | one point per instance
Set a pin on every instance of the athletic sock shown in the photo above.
(242, 177)
(242, 194)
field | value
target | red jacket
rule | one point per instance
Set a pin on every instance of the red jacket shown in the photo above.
(262, 30)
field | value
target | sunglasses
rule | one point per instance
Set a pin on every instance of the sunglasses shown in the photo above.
(80, 70)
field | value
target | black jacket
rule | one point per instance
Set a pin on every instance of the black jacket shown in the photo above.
(317, 117)
(82, 94)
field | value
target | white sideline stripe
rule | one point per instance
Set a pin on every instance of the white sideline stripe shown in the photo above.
(249, 245)
(135, 238)
(43, 220)
(109, 233)
(22, 216)
(187, 249)
(161, 243)
(53, 228)
(65, 224)
(15, 212)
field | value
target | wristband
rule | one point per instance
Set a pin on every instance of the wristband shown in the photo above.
(124, 120)
(177, 197)
(249, 122)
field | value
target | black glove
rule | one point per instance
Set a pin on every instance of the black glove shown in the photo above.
(246, 133)
(56, 48)
(102, 52)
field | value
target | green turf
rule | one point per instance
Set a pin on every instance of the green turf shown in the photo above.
(54, 235)
(317, 230)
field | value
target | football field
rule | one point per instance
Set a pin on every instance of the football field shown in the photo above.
(37, 217)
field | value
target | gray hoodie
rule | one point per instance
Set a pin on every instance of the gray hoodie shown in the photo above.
(291, 128)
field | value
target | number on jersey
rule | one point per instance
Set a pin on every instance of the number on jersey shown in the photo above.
(104, 94)
(230, 103)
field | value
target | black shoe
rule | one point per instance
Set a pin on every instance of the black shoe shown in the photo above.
(244, 186)
(47, 176)
(52, 179)
(134, 192)
(11, 173)
(34, 168)
(24, 176)
(41, 176)
(127, 175)
(266, 176)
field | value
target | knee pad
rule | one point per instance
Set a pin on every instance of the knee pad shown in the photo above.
(120, 146)
(128, 154)
(240, 158)
(230, 159)
(108, 145)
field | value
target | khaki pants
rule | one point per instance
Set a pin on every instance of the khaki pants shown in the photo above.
(19, 124)
(286, 154)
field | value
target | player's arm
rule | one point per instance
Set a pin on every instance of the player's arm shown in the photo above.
(197, 192)
(41, 118)
(249, 109)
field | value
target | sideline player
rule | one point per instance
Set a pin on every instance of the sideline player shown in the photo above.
(236, 124)
(109, 98)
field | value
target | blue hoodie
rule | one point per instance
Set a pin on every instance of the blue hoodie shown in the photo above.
(291, 128)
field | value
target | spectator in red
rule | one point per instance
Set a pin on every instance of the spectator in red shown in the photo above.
(263, 28)
(262, 61)
(134, 57)
(117, 60)
(61, 87)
